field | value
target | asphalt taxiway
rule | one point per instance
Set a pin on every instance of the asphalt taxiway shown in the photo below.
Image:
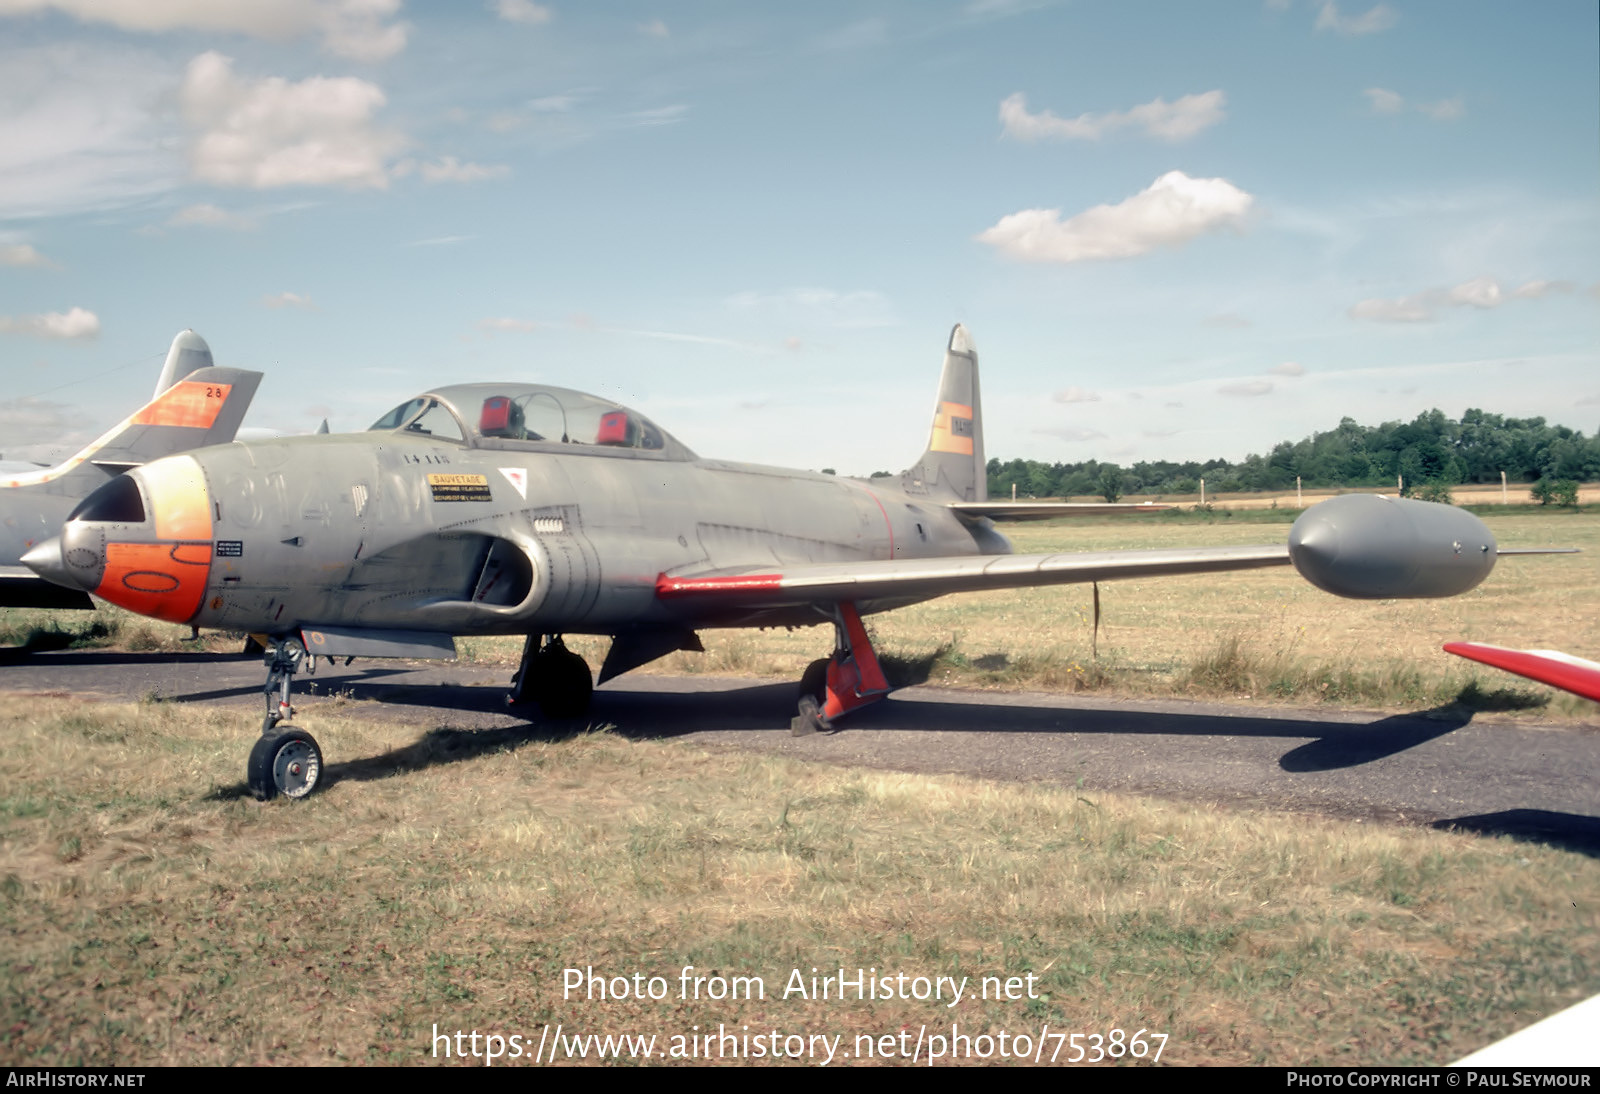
(1443, 767)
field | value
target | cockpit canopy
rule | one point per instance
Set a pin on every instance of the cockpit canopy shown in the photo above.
(530, 416)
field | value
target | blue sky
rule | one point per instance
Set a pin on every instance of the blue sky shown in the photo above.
(1175, 230)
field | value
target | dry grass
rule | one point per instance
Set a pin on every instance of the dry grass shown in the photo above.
(152, 915)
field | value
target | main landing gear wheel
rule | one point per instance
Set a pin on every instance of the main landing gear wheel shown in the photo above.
(813, 693)
(554, 677)
(287, 762)
(847, 681)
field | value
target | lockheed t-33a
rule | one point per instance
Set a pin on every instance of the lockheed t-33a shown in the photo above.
(509, 508)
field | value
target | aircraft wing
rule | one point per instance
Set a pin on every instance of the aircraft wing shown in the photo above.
(1561, 670)
(1049, 510)
(833, 582)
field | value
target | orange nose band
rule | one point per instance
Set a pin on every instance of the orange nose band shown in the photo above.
(165, 579)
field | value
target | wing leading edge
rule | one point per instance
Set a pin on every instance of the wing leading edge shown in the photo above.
(833, 582)
(1050, 510)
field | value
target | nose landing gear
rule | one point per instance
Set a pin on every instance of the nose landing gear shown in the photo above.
(285, 760)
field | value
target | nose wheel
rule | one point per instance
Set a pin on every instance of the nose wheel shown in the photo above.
(285, 760)
(287, 763)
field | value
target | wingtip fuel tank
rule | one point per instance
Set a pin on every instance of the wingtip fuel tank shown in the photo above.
(189, 353)
(1369, 547)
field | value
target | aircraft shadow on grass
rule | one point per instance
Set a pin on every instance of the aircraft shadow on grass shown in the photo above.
(647, 715)
(641, 715)
(1563, 831)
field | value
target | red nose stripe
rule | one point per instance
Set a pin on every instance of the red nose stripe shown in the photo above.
(186, 403)
(164, 580)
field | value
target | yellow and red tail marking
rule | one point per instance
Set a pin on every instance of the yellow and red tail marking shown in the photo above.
(186, 403)
(952, 429)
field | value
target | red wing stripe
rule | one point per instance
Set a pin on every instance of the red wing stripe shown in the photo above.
(668, 587)
(1580, 679)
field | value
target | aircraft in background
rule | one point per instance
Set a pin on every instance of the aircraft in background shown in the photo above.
(1559, 670)
(194, 404)
(511, 508)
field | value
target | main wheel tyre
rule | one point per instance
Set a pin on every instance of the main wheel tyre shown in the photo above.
(287, 763)
(565, 684)
(813, 694)
(814, 681)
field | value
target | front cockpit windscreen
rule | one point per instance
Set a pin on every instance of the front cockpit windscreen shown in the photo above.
(425, 417)
(518, 415)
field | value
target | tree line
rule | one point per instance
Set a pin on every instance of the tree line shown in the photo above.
(1432, 450)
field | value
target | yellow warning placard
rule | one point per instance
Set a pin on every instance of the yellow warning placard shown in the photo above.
(459, 487)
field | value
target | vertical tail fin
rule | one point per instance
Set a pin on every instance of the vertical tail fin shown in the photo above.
(202, 409)
(953, 466)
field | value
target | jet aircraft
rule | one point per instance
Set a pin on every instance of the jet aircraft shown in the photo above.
(195, 404)
(514, 508)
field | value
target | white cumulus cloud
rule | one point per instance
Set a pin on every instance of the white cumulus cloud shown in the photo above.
(1071, 433)
(1246, 388)
(855, 310)
(507, 326)
(1482, 293)
(1288, 368)
(522, 11)
(1380, 17)
(1171, 211)
(450, 169)
(22, 254)
(357, 29)
(317, 132)
(210, 216)
(1076, 395)
(288, 300)
(1445, 110)
(74, 323)
(1535, 289)
(1385, 101)
(80, 128)
(1174, 121)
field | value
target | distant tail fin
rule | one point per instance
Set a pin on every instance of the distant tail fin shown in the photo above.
(953, 466)
(189, 353)
(203, 409)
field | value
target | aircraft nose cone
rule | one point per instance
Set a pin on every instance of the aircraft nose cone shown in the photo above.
(45, 560)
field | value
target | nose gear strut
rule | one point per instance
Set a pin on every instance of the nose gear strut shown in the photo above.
(285, 760)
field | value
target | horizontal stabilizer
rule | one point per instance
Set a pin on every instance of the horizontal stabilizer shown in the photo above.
(924, 577)
(1049, 510)
(361, 642)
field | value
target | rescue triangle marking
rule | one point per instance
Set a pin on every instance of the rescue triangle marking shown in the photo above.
(517, 477)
